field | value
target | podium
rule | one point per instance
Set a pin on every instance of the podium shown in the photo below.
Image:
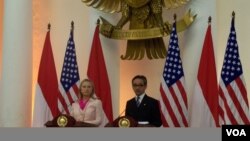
(64, 120)
(126, 121)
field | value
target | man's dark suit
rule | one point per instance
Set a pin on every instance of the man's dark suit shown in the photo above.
(147, 111)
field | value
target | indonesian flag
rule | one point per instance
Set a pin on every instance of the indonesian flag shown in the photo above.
(204, 110)
(97, 72)
(46, 107)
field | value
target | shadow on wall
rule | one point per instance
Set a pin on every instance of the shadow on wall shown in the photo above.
(1, 38)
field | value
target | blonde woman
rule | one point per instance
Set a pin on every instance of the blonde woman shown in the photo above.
(88, 108)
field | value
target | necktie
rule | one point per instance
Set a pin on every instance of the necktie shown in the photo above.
(137, 101)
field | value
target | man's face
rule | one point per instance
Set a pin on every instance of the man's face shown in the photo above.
(138, 86)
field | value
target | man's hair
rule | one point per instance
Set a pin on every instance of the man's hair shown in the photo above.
(142, 77)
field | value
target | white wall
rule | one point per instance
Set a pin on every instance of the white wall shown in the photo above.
(1, 38)
(1, 44)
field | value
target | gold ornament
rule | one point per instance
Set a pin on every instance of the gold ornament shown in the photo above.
(62, 121)
(124, 122)
(146, 27)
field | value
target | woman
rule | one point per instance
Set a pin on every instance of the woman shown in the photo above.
(88, 108)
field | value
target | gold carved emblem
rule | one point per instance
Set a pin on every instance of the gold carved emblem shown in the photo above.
(62, 121)
(146, 25)
(124, 122)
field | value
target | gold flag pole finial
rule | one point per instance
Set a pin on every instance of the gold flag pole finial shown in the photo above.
(209, 20)
(233, 14)
(175, 17)
(72, 25)
(98, 21)
(49, 26)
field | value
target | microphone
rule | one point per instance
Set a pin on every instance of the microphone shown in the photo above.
(114, 123)
(122, 113)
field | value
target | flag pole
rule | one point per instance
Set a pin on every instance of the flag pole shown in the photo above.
(209, 20)
(233, 14)
(175, 16)
(233, 19)
(49, 26)
(72, 25)
(98, 22)
(72, 28)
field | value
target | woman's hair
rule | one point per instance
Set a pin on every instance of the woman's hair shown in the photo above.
(93, 88)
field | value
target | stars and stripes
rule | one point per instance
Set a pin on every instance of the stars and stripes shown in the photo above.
(69, 81)
(173, 99)
(234, 108)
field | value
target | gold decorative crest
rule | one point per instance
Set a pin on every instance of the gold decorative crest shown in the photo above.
(62, 121)
(146, 25)
(109, 30)
(137, 3)
(124, 122)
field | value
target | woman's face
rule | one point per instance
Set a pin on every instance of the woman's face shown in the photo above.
(86, 89)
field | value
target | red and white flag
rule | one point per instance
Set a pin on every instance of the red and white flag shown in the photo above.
(47, 92)
(97, 72)
(233, 101)
(204, 104)
(173, 100)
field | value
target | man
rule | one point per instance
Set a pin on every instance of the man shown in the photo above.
(143, 108)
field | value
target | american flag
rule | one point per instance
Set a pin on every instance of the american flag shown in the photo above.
(173, 99)
(69, 81)
(233, 100)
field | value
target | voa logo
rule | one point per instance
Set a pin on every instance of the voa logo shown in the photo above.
(236, 132)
